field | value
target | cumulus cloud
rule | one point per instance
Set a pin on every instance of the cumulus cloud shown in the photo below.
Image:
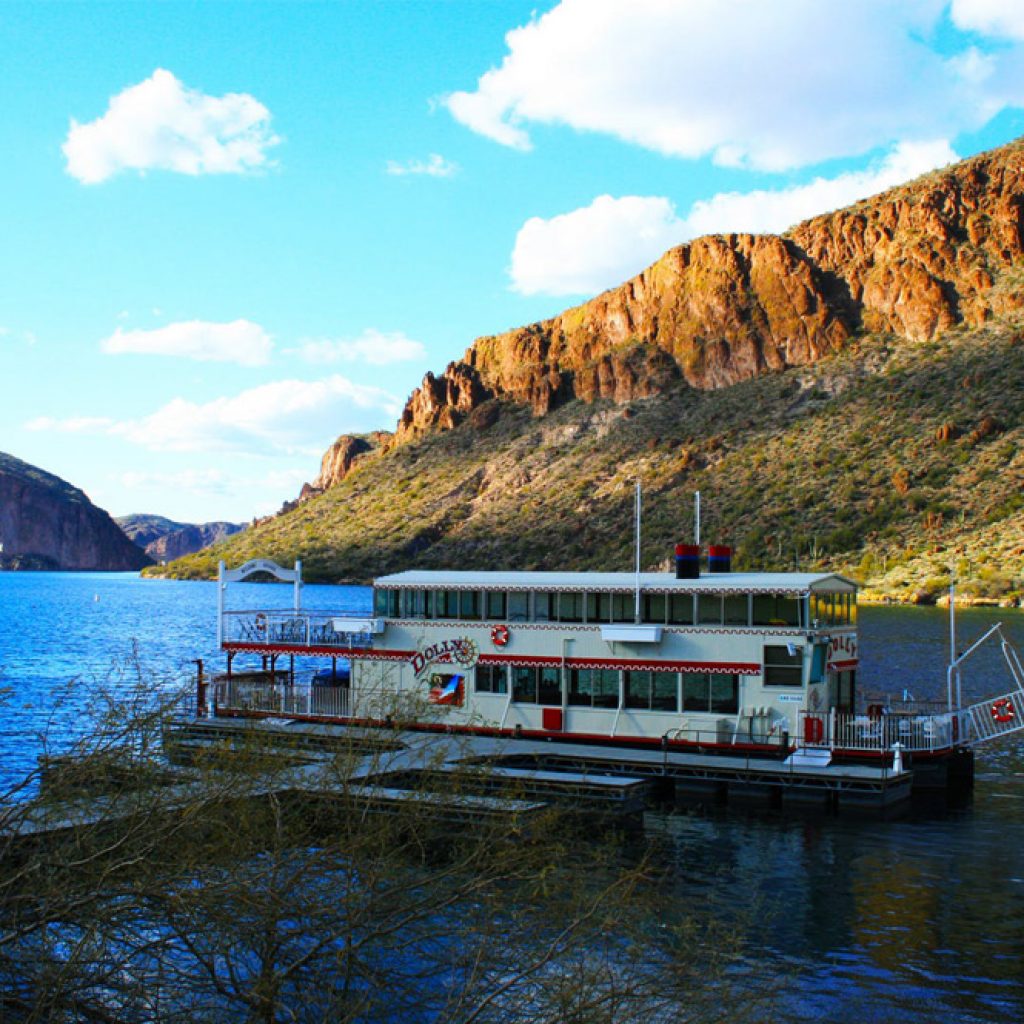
(990, 17)
(771, 86)
(160, 124)
(288, 416)
(603, 244)
(592, 248)
(774, 210)
(372, 346)
(239, 341)
(435, 166)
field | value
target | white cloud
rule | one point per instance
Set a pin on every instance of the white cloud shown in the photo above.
(239, 341)
(288, 416)
(990, 17)
(764, 85)
(195, 481)
(605, 243)
(160, 124)
(435, 167)
(775, 210)
(372, 346)
(592, 248)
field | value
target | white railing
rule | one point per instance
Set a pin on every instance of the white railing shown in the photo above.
(303, 629)
(269, 698)
(842, 731)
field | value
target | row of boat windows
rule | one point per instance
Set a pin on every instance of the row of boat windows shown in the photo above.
(642, 690)
(664, 609)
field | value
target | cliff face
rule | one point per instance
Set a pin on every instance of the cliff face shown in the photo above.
(339, 459)
(45, 523)
(913, 261)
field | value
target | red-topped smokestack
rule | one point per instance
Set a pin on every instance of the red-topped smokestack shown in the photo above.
(687, 561)
(719, 558)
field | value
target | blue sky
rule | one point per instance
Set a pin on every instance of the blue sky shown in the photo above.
(232, 232)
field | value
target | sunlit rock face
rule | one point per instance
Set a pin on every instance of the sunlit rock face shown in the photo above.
(913, 261)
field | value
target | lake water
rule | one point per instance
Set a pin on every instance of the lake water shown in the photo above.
(919, 919)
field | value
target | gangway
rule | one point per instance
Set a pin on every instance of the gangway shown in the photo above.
(993, 717)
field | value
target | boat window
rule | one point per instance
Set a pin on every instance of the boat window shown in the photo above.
(518, 606)
(496, 604)
(714, 692)
(450, 605)
(570, 607)
(819, 655)
(824, 610)
(414, 604)
(851, 609)
(491, 679)
(783, 665)
(380, 602)
(599, 607)
(776, 610)
(549, 685)
(709, 609)
(846, 691)
(654, 608)
(736, 610)
(665, 691)
(650, 690)
(536, 685)
(636, 688)
(542, 602)
(594, 687)
(680, 609)
(724, 693)
(469, 604)
(623, 607)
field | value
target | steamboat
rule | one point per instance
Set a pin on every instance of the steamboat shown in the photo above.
(720, 674)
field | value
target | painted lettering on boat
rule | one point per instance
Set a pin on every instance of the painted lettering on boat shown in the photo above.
(459, 651)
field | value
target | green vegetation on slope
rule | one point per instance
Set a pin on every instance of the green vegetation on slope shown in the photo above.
(893, 461)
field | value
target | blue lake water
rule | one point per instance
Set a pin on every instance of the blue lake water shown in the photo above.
(918, 919)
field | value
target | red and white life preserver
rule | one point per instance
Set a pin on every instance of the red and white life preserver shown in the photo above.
(1003, 710)
(500, 636)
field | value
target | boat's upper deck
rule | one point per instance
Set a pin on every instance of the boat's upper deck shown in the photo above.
(794, 583)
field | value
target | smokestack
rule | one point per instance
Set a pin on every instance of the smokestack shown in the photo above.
(719, 558)
(687, 561)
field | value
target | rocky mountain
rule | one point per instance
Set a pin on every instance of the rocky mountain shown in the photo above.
(847, 395)
(164, 539)
(46, 523)
(913, 262)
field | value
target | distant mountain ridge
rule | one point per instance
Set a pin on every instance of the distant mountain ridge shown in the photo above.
(164, 539)
(47, 523)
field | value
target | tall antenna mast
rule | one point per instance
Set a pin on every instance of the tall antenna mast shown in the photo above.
(636, 610)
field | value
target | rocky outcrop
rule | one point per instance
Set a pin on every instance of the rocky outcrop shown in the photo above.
(164, 539)
(45, 523)
(190, 538)
(339, 459)
(913, 261)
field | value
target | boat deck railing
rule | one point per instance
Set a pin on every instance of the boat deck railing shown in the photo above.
(275, 698)
(298, 629)
(880, 730)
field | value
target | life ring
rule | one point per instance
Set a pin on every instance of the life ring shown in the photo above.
(1003, 710)
(500, 636)
(261, 623)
